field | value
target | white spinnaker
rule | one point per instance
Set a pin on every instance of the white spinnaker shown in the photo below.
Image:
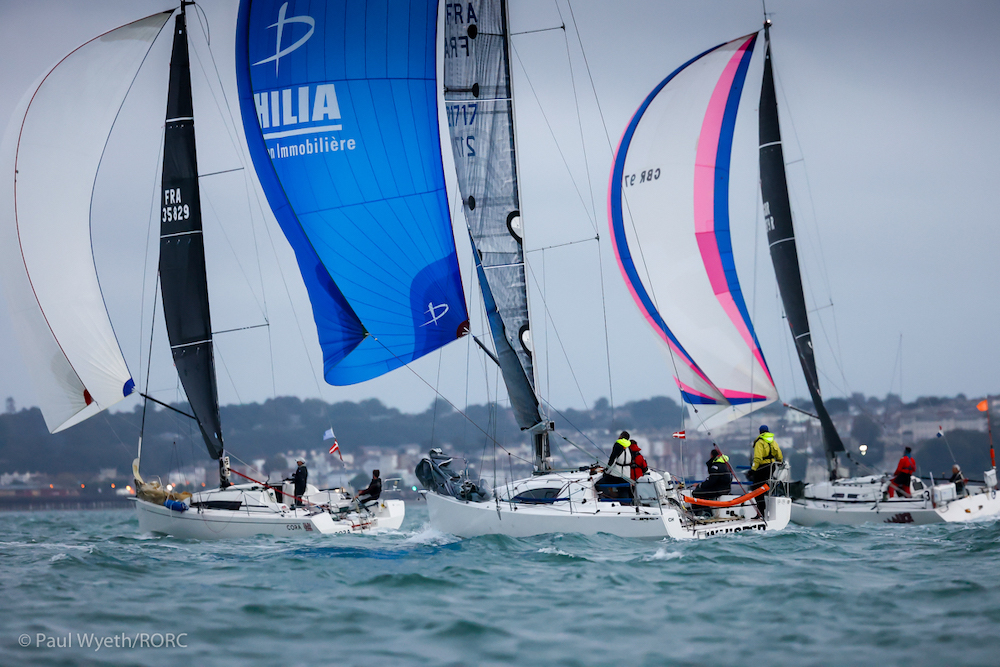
(52, 157)
(659, 216)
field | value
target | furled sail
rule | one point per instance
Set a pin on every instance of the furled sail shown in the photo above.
(784, 255)
(477, 94)
(340, 112)
(669, 214)
(52, 157)
(183, 281)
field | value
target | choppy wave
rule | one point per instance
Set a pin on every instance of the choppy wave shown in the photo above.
(831, 595)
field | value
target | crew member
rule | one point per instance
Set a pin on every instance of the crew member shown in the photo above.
(639, 465)
(373, 491)
(719, 479)
(300, 477)
(901, 478)
(958, 479)
(618, 473)
(765, 454)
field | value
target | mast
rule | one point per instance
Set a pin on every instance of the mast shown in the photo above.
(479, 104)
(183, 280)
(784, 255)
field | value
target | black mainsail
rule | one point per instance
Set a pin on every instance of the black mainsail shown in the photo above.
(480, 109)
(784, 255)
(183, 281)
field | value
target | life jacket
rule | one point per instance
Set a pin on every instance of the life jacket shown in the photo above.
(719, 466)
(768, 448)
(622, 466)
(906, 466)
(639, 466)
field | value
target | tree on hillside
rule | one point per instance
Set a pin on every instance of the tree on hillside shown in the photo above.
(971, 448)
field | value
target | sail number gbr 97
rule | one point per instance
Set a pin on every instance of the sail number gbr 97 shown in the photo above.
(642, 177)
(173, 208)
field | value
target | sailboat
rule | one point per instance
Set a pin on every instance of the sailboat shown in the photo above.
(342, 134)
(841, 500)
(478, 96)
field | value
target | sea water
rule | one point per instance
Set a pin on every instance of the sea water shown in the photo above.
(81, 588)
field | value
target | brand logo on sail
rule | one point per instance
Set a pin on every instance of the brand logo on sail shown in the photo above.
(436, 312)
(298, 111)
(279, 53)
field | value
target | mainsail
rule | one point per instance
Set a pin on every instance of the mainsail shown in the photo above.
(784, 256)
(340, 112)
(479, 105)
(668, 207)
(52, 157)
(183, 281)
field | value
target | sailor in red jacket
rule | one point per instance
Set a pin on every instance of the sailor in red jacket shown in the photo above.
(901, 479)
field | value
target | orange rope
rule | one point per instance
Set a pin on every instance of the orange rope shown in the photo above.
(727, 503)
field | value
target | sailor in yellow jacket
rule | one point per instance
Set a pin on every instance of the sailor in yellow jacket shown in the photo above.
(766, 453)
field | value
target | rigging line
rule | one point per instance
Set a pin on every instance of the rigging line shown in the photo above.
(225, 234)
(224, 109)
(168, 406)
(149, 362)
(590, 74)
(219, 173)
(541, 110)
(547, 322)
(218, 353)
(230, 128)
(579, 121)
(575, 428)
(252, 326)
(529, 32)
(563, 245)
(812, 208)
(153, 201)
(409, 367)
(437, 386)
(545, 305)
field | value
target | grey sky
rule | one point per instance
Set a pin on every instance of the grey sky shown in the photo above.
(891, 106)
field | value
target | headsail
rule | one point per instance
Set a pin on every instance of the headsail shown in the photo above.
(784, 255)
(668, 207)
(182, 251)
(477, 92)
(339, 108)
(47, 260)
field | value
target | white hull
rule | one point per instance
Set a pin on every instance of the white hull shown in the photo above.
(929, 505)
(259, 515)
(584, 514)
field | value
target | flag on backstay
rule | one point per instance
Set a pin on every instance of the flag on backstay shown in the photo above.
(328, 435)
(680, 435)
(940, 432)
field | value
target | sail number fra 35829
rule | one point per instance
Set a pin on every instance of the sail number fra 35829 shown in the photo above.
(173, 208)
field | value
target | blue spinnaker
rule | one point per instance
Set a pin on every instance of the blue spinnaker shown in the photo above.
(340, 111)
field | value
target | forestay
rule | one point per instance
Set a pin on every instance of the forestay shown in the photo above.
(340, 111)
(52, 158)
(669, 215)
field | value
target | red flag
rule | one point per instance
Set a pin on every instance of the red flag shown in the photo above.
(983, 405)
(680, 435)
(336, 448)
